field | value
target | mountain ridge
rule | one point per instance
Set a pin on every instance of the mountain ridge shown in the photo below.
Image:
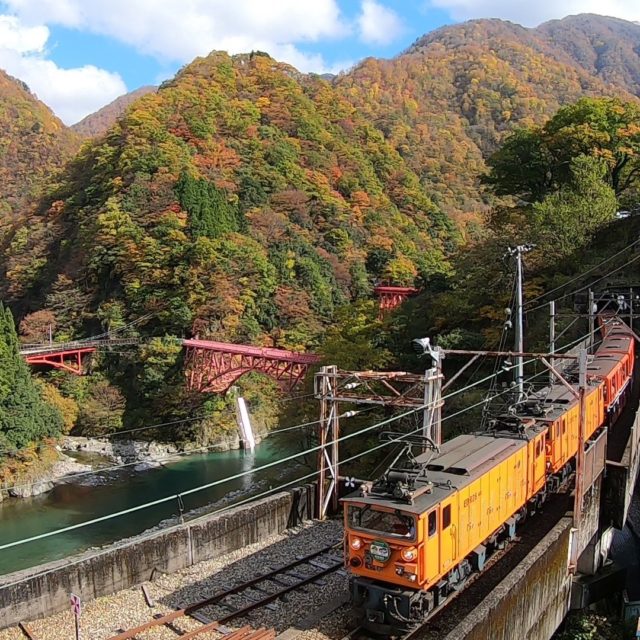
(97, 123)
(245, 201)
(34, 143)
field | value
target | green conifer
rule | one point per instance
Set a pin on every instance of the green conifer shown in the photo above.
(24, 416)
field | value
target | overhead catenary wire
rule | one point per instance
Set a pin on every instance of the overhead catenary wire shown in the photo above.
(172, 456)
(161, 425)
(237, 476)
(587, 286)
(581, 275)
(280, 487)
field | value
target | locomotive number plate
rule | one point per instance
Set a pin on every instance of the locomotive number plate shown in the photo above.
(380, 551)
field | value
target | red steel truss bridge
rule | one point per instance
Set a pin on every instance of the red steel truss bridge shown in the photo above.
(209, 366)
(215, 366)
(69, 356)
(391, 297)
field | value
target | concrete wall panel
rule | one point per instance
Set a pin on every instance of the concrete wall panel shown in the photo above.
(44, 590)
(531, 601)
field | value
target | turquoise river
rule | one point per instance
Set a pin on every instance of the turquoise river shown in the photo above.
(103, 493)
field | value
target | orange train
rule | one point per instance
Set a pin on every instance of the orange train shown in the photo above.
(415, 535)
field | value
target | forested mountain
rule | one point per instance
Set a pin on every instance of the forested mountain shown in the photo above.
(247, 202)
(33, 145)
(448, 101)
(606, 47)
(243, 201)
(99, 122)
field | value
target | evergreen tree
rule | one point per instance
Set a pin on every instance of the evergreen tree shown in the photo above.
(24, 416)
(210, 213)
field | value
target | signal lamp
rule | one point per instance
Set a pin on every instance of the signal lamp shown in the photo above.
(355, 562)
(409, 554)
(356, 544)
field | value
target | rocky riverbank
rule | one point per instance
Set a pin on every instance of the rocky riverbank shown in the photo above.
(30, 486)
(140, 454)
(146, 453)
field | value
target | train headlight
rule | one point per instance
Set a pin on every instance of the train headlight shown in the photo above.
(356, 544)
(409, 554)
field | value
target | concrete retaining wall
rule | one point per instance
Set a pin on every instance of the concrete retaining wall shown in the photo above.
(621, 479)
(531, 601)
(44, 590)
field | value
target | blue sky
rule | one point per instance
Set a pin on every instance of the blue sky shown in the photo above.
(78, 55)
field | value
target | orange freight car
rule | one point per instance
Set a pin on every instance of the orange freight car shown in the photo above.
(415, 535)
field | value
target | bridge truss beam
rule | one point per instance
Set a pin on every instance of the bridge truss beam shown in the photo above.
(71, 360)
(213, 367)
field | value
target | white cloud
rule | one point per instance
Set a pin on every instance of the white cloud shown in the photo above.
(180, 30)
(169, 30)
(71, 93)
(16, 37)
(531, 14)
(378, 24)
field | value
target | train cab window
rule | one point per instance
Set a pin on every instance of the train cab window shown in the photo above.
(432, 523)
(446, 516)
(564, 428)
(538, 448)
(395, 524)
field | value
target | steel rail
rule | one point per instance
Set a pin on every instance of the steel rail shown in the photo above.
(194, 607)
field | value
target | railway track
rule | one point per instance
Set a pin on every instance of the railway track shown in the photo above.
(359, 633)
(236, 602)
(460, 603)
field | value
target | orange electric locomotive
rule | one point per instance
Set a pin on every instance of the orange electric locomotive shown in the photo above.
(415, 534)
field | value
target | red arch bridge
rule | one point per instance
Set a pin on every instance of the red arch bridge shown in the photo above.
(69, 356)
(209, 366)
(215, 366)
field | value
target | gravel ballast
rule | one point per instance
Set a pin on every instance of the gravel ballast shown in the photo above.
(104, 617)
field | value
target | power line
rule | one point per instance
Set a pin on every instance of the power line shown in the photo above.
(606, 275)
(245, 473)
(581, 275)
(255, 497)
(161, 425)
(179, 453)
(281, 486)
(352, 458)
(235, 476)
(269, 465)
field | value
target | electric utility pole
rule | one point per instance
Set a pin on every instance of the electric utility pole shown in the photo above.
(519, 342)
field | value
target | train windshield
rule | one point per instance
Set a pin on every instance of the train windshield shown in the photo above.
(390, 523)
